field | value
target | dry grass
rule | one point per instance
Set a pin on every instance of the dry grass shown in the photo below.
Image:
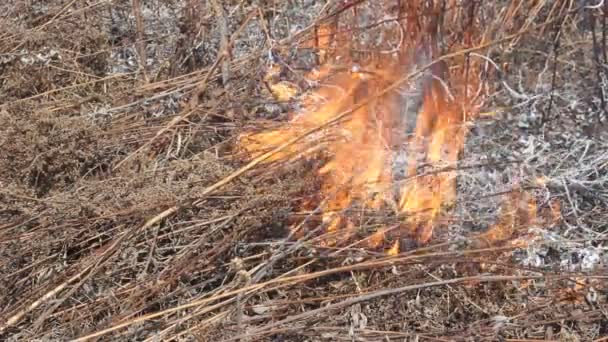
(126, 213)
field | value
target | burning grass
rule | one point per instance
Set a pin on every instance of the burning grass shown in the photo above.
(301, 172)
(388, 131)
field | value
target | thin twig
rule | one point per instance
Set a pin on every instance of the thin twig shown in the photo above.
(383, 293)
(141, 43)
(224, 39)
(546, 115)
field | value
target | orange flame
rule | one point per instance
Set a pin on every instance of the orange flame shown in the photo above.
(372, 157)
(519, 211)
(360, 151)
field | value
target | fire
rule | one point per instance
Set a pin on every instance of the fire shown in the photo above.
(382, 147)
(394, 250)
(362, 151)
(518, 211)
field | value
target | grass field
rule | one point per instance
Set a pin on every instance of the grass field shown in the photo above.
(423, 170)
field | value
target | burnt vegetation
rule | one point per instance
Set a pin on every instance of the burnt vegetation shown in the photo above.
(131, 210)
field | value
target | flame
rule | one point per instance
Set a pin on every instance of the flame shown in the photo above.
(360, 151)
(284, 91)
(359, 122)
(518, 211)
(394, 250)
(376, 239)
